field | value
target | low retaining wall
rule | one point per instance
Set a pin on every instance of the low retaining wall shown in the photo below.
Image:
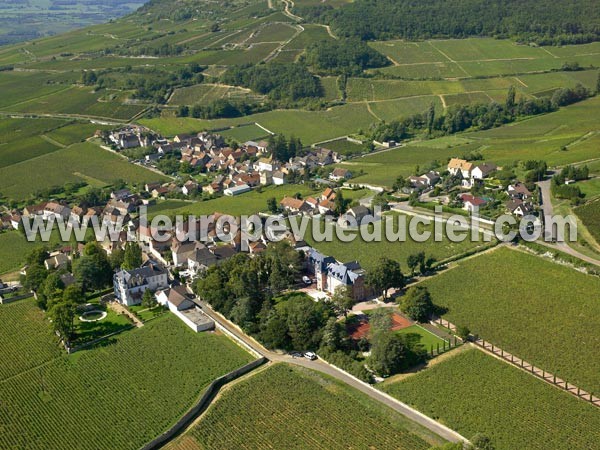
(202, 405)
(6, 301)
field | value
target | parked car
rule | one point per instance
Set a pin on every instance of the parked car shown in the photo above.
(310, 355)
(306, 280)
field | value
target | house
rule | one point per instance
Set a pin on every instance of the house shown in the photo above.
(237, 190)
(294, 205)
(266, 164)
(518, 190)
(324, 156)
(328, 194)
(278, 178)
(430, 178)
(518, 207)
(471, 203)
(482, 171)
(358, 213)
(339, 174)
(462, 166)
(201, 259)
(120, 194)
(56, 210)
(59, 261)
(130, 285)
(349, 275)
(266, 177)
(190, 187)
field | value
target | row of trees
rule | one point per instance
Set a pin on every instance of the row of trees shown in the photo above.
(481, 116)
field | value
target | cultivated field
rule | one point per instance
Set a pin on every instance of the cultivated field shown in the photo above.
(80, 162)
(472, 392)
(207, 93)
(294, 408)
(476, 57)
(535, 309)
(157, 371)
(14, 248)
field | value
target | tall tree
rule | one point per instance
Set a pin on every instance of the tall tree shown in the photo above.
(62, 315)
(342, 300)
(132, 258)
(386, 274)
(388, 353)
(417, 304)
(430, 117)
(510, 99)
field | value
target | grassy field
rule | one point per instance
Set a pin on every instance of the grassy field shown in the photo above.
(427, 339)
(531, 307)
(248, 203)
(590, 216)
(368, 253)
(80, 162)
(294, 408)
(472, 392)
(245, 133)
(138, 383)
(14, 249)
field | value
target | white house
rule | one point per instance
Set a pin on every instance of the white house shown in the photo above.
(130, 285)
(278, 178)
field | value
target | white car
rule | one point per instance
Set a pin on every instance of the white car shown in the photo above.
(306, 280)
(310, 355)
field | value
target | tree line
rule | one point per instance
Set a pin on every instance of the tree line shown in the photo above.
(542, 21)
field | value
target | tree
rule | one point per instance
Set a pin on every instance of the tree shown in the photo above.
(92, 270)
(412, 262)
(430, 117)
(417, 304)
(62, 315)
(463, 332)
(37, 256)
(482, 442)
(116, 258)
(386, 274)
(73, 294)
(132, 258)
(380, 320)
(272, 205)
(339, 204)
(52, 289)
(342, 300)
(148, 300)
(332, 335)
(510, 99)
(388, 353)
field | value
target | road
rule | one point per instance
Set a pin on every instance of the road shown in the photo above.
(550, 235)
(321, 366)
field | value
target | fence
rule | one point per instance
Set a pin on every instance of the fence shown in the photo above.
(542, 374)
(202, 405)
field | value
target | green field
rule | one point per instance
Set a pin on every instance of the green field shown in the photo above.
(245, 133)
(295, 408)
(136, 385)
(80, 162)
(368, 253)
(427, 339)
(538, 310)
(472, 392)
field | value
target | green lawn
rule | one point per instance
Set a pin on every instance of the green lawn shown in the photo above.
(139, 383)
(291, 407)
(426, 338)
(472, 392)
(88, 331)
(540, 311)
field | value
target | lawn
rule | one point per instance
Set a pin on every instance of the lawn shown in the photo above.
(538, 310)
(368, 253)
(472, 392)
(426, 338)
(88, 331)
(136, 385)
(291, 407)
(80, 162)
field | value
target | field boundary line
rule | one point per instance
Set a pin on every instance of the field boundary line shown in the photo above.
(519, 363)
